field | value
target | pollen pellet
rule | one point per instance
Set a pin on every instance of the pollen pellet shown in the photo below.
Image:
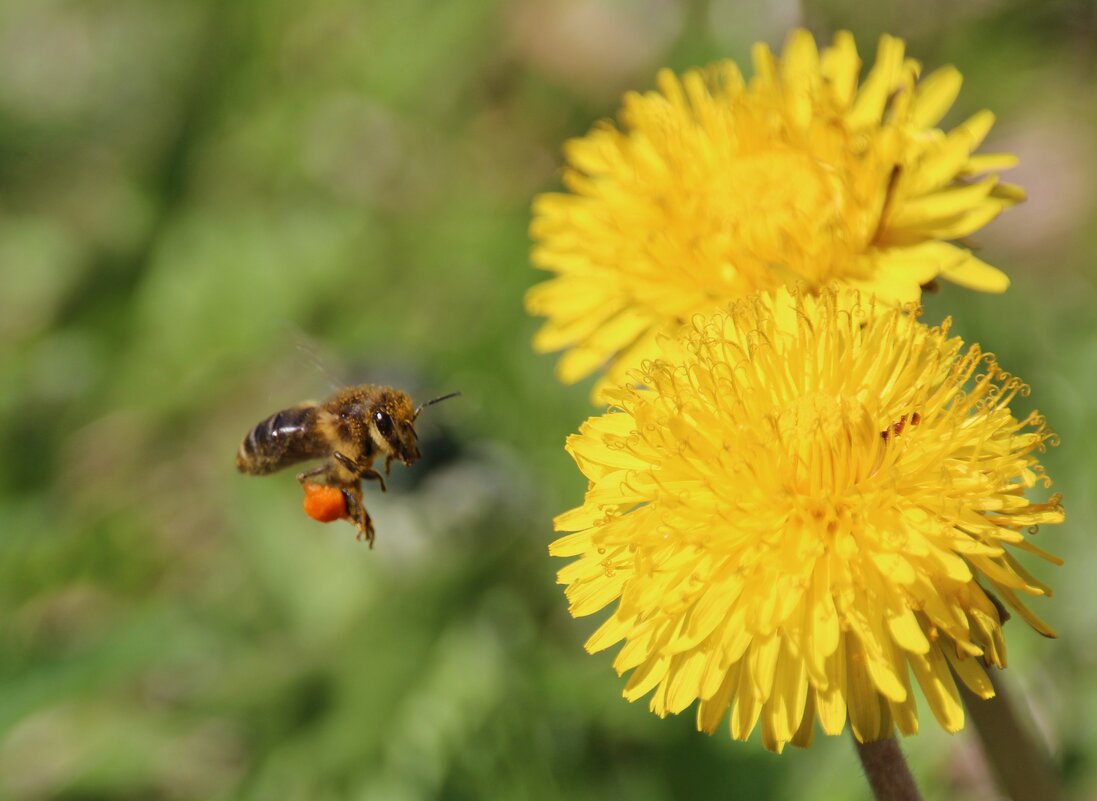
(324, 503)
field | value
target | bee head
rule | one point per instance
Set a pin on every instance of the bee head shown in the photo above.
(392, 426)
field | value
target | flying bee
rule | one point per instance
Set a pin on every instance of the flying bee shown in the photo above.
(349, 431)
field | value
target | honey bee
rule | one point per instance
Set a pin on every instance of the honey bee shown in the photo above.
(349, 431)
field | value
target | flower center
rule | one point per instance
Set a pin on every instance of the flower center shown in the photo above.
(829, 445)
(774, 207)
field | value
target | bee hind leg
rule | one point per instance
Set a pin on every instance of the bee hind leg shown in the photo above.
(304, 476)
(357, 514)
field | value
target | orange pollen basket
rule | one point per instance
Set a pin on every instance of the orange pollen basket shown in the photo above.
(324, 503)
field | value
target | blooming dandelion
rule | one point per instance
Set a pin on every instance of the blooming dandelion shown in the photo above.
(807, 505)
(714, 187)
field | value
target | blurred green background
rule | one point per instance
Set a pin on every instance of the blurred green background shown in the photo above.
(201, 201)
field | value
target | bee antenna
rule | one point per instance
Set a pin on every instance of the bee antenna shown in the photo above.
(433, 401)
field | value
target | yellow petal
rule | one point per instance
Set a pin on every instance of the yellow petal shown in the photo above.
(935, 95)
(711, 711)
(644, 679)
(939, 688)
(868, 108)
(685, 680)
(971, 221)
(941, 165)
(611, 632)
(974, 273)
(571, 545)
(745, 708)
(831, 701)
(799, 74)
(841, 67)
(971, 673)
(907, 632)
(943, 205)
(588, 598)
(990, 162)
(619, 332)
(869, 716)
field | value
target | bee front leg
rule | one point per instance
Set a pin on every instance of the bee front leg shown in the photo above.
(359, 470)
(369, 474)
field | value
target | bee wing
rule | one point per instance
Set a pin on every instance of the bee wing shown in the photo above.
(319, 358)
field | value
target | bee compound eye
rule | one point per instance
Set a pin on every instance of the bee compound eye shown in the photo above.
(383, 423)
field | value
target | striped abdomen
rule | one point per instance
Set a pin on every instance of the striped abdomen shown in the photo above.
(285, 438)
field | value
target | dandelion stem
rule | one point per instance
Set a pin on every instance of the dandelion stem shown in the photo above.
(887, 771)
(1020, 764)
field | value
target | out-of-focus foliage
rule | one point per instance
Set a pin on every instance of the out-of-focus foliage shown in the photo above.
(190, 191)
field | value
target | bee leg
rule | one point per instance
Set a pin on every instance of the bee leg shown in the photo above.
(362, 471)
(356, 512)
(388, 464)
(370, 474)
(346, 462)
(322, 469)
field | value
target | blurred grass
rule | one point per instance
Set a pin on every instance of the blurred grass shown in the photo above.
(190, 190)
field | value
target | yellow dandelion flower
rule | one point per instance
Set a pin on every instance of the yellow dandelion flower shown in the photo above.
(713, 188)
(806, 503)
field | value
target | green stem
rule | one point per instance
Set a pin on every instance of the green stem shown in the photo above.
(1019, 762)
(887, 771)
